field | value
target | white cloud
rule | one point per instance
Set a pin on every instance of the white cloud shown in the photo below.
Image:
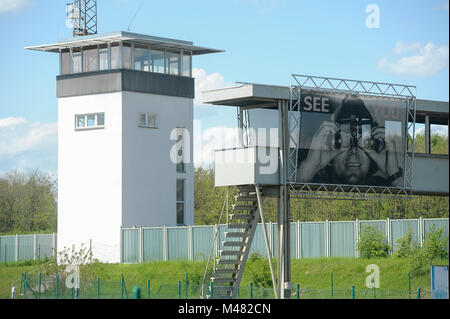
(425, 60)
(205, 82)
(28, 145)
(11, 122)
(13, 5)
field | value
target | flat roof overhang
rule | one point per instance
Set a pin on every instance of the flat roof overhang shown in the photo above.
(249, 95)
(147, 40)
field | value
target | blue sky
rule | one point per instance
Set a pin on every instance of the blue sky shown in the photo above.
(265, 41)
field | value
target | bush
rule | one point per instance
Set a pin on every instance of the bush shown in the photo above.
(259, 269)
(405, 247)
(372, 243)
(435, 246)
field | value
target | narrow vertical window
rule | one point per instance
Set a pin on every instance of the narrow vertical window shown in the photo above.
(76, 60)
(187, 64)
(180, 150)
(180, 202)
(65, 61)
(115, 56)
(103, 58)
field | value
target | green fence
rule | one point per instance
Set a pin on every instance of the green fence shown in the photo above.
(38, 286)
(308, 239)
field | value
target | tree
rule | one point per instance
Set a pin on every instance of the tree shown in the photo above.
(27, 202)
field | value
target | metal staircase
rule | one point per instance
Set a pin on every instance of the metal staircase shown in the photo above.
(227, 272)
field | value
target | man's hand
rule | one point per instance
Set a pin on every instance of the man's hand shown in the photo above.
(386, 159)
(322, 151)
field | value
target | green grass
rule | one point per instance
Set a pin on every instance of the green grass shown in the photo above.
(311, 274)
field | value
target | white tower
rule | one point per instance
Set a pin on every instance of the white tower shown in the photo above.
(125, 105)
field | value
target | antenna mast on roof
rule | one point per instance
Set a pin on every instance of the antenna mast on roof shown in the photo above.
(83, 16)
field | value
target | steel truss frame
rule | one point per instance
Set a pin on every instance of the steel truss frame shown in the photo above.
(355, 87)
(85, 19)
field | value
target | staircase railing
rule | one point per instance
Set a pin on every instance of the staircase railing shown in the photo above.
(225, 203)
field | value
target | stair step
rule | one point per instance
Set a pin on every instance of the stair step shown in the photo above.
(229, 262)
(241, 226)
(235, 234)
(230, 253)
(233, 243)
(244, 207)
(241, 216)
(223, 271)
(245, 198)
(223, 288)
(222, 280)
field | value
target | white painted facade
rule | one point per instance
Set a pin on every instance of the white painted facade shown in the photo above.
(120, 175)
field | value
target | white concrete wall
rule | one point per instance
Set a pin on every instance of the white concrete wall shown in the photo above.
(149, 175)
(90, 176)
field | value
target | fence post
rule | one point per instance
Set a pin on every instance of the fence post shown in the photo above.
(409, 284)
(421, 231)
(299, 240)
(39, 284)
(327, 238)
(121, 245)
(136, 292)
(298, 291)
(418, 293)
(165, 245)
(332, 292)
(187, 286)
(141, 245)
(353, 292)
(121, 286)
(357, 226)
(191, 243)
(98, 287)
(148, 289)
(54, 244)
(179, 289)
(57, 285)
(16, 249)
(388, 235)
(211, 286)
(251, 290)
(34, 246)
(24, 285)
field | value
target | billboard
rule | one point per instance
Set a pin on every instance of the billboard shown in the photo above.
(351, 139)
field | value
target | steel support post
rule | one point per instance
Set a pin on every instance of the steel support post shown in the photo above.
(283, 216)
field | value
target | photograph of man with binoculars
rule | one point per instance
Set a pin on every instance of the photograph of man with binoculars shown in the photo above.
(351, 140)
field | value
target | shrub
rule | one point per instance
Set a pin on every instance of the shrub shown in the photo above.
(372, 243)
(435, 245)
(405, 247)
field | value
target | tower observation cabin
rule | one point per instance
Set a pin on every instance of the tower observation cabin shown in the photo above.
(125, 117)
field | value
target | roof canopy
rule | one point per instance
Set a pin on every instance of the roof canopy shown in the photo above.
(124, 36)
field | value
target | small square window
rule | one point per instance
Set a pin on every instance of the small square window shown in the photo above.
(89, 121)
(148, 120)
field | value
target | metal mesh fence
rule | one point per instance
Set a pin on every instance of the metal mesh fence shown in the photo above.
(38, 286)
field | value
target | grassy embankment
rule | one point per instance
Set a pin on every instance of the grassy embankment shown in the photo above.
(309, 273)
